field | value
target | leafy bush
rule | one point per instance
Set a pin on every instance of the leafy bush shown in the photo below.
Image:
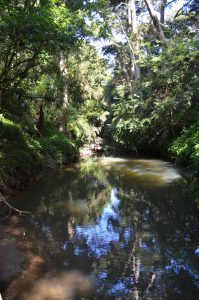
(55, 147)
(164, 101)
(128, 124)
(17, 159)
(22, 156)
(185, 149)
(79, 126)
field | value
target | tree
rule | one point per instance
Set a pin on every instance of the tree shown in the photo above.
(155, 19)
(28, 33)
(157, 110)
(132, 20)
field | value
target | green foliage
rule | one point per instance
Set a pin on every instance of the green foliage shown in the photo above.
(33, 35)
(166, 101)
(23, 155)
(17, 159)
(78, 125)
(127, 123)
(85, 111)
(55, 147)
(87, 74)
(44, 62)
(185, 149)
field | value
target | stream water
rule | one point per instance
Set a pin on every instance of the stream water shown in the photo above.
(130, 225)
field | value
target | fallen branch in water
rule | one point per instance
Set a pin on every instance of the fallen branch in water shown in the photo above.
(12, 208)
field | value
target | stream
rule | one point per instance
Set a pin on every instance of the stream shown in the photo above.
(108, 228)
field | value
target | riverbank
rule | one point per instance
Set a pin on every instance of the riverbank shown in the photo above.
(24, 153)
(90, 149)
(25, 159)
(25, 156)
(11, 259)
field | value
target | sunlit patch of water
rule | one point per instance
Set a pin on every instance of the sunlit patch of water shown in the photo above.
(151, 171)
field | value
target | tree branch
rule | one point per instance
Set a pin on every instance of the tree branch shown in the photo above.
(12, 208)
(155, 20)
(122, 3)
(169, 3)
(178, 12)
(30, 64)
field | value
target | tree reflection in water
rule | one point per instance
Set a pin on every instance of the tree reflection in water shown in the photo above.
(130, 223)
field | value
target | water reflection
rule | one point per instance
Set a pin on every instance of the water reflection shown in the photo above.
(131, 224)
(153, 172)
(101, 235)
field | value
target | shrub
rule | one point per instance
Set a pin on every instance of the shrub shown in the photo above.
(22, 156)
(185, 149)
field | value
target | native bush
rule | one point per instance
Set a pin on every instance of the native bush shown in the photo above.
(55, 148)
(185, 149)
(22, 155)
(164, 102)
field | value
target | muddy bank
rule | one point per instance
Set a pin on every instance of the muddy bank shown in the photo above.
(11, 259)
(91, 149)
(32, 276)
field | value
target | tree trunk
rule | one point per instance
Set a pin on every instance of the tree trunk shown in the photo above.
(64, 77)
(40, 124)
(132, 19)
(132, 16)
(162, 10)
(155, 20)
(125, 71)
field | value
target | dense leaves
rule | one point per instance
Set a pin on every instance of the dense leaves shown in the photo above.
(51, 84)
(150, 114)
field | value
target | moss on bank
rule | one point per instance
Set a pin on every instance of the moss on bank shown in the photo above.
(24, 153)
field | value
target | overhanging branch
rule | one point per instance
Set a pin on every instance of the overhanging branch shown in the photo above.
(12, 208)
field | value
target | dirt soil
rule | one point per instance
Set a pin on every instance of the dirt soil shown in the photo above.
(11, 260)
(91, 148)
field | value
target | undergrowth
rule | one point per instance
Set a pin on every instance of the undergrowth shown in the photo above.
(23, 153)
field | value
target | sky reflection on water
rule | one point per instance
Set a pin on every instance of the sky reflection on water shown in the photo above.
(100, 235)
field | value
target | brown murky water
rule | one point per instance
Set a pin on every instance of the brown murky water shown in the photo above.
(108, 228)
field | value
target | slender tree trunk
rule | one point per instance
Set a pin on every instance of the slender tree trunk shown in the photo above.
(132, 20)
(134, 72)
(129, 12)
(155, 20)
(133, 17)
(40, 124)
(64, 77)
(162, 10)
(125, 71)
